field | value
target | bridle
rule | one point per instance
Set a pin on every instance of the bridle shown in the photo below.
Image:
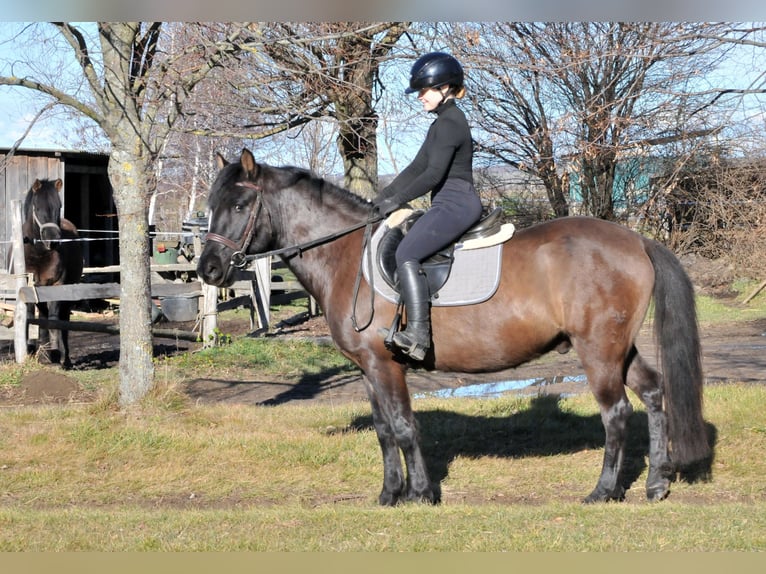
(238, 257)
(41, 226)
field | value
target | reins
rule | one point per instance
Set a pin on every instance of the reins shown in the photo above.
(239, 258)
(293, 250)
(358, 281)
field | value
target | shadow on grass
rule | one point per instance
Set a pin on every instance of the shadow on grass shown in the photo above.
(271, 393)
(543, 429)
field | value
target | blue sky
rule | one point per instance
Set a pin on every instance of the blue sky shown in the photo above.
(19, 105)
(16, 113)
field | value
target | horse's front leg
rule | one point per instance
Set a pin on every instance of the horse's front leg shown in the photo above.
(393, 474)
(397, 430)
(43, 333)
(57, 343)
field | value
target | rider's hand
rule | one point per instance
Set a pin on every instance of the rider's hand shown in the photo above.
(385, 206)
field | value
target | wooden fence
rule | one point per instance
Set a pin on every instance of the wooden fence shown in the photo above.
(255, 283)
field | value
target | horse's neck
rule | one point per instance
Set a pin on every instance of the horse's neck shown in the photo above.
(322, 269)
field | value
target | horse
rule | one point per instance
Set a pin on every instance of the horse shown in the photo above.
(573, 282)
(54, 257)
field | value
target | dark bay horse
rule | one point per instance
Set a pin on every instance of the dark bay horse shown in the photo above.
(572, 282)
(53, 257)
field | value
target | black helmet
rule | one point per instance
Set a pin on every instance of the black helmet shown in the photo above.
(434, 70)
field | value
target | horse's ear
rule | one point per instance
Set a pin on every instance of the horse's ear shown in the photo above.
(59, 185)
(248, 163)
(36, 185)
(220, 161)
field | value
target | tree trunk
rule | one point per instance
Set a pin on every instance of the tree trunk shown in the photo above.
(359, 149)
(128, 175)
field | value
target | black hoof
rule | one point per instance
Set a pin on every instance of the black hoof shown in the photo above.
(658, 491)
(426, 497)
(388, 498)
(599, 495)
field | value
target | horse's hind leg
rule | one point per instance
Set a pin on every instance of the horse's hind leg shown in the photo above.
(645, 382)
(607, 386)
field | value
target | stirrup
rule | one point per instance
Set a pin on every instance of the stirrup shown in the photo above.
(415, 350)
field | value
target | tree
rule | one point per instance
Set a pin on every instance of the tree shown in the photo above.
(302, 73)
(134, 91)
(567, 101)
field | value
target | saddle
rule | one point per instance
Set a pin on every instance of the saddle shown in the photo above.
(437, 267)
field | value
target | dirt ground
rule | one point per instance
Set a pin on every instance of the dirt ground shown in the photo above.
(731, 352)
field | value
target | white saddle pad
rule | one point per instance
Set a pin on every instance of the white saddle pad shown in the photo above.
(473, 279)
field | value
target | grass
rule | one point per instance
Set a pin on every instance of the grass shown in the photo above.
(172, 475)
(512, 471)
(715, 310)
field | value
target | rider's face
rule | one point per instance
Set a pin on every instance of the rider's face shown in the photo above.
(431, 97)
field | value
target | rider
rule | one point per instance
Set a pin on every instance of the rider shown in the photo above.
(443, 166)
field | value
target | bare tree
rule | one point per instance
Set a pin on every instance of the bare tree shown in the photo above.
(307, 73)
(134, 91)
(567, 101)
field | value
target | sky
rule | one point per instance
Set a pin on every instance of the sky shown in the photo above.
(19, 105)
(16, 113)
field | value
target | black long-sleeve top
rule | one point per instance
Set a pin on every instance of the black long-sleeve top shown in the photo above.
(447, 152)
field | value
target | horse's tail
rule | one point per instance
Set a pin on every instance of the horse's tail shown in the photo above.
(677, 335)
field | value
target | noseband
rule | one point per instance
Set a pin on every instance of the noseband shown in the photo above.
(239, 256)
(41, 226)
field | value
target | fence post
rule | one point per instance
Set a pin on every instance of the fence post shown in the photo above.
(209, 314)
(261, 293)
(20, 272)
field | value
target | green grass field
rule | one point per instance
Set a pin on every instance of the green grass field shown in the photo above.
(177, 476)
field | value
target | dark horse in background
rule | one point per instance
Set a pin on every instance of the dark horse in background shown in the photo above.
(54, 257)
(572, 282)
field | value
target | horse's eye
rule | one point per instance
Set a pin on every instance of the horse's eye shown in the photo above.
(238, 207)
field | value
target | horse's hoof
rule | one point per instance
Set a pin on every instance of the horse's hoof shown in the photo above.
(388, 498)
(600, 495)
(426, 497)
(658, 491)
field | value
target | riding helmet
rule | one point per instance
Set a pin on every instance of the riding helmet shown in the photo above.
(433, 70)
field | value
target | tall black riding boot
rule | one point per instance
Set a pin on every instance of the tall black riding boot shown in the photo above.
(416, 338)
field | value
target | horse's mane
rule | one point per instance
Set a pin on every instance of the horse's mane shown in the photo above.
(295, 176)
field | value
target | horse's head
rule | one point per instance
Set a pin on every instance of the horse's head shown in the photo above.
(42, 211)
(240, 223)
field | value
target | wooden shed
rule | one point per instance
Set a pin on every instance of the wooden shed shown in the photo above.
(87, 197)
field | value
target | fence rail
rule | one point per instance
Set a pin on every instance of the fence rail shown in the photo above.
(255, 282)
